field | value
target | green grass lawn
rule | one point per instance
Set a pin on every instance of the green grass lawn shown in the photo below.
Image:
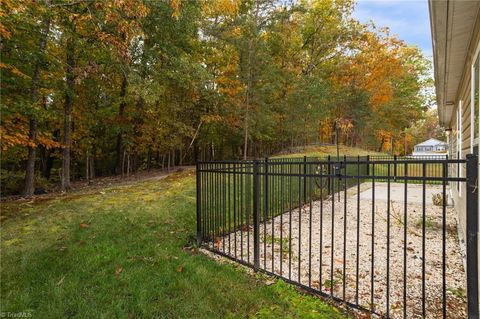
(413, 169)
(125, 252)
(320, 151)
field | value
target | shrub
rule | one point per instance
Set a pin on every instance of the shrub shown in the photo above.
(12, 183)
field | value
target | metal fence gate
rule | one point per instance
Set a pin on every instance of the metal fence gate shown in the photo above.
(376, 233)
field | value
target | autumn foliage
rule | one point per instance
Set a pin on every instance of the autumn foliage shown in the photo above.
(130, 84)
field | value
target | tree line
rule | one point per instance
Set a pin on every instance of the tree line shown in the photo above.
(92, 88)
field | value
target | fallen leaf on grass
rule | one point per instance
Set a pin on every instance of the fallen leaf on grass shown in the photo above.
(180, 269)
(83, 225)
(269, 282)
(118, 271)
(60, 281)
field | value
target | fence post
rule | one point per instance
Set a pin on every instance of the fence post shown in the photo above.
(329, 171)
(471, 236)
(265, 190)
(394, 167)
(256, 217)
(368, 165)
(304, 179)
(199, 214)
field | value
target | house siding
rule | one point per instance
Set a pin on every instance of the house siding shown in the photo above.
(464, 95)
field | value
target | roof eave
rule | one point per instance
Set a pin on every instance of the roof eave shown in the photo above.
(452, 23)
(438, 26)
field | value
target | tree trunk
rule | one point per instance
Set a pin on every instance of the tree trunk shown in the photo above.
(43, 160)
(92, 162)
(305, 133)
(380, 148)
(135, 161)
(250, 64)
(121, 111)
(196, 153)
(247, 102)
(245, 132)
(128, 165)
(87, 168)
(92, 166)
(47, 162)
(123, 163)
(67, 119)
(137, 128)
(29, 187)
(149, 158)
(168, 162)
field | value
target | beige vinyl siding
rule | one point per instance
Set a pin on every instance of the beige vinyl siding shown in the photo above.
(466, 118)
(464, 95)
(454, 137)
(459, 191)
(452, 150)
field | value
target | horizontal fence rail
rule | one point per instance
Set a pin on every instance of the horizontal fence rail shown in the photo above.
(376, 233)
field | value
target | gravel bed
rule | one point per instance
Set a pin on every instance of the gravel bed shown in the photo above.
(313, 264)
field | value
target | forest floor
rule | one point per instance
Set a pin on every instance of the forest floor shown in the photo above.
(127, 250)
(83, 186)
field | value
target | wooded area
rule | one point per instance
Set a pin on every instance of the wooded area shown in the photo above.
(92, 88)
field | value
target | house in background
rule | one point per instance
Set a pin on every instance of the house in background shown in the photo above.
(430, 147)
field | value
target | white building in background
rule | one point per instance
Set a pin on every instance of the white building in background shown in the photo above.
(430, 147)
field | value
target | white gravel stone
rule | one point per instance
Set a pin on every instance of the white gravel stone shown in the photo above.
(303, 265)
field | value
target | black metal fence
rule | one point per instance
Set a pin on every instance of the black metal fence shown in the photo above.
(376, 233)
